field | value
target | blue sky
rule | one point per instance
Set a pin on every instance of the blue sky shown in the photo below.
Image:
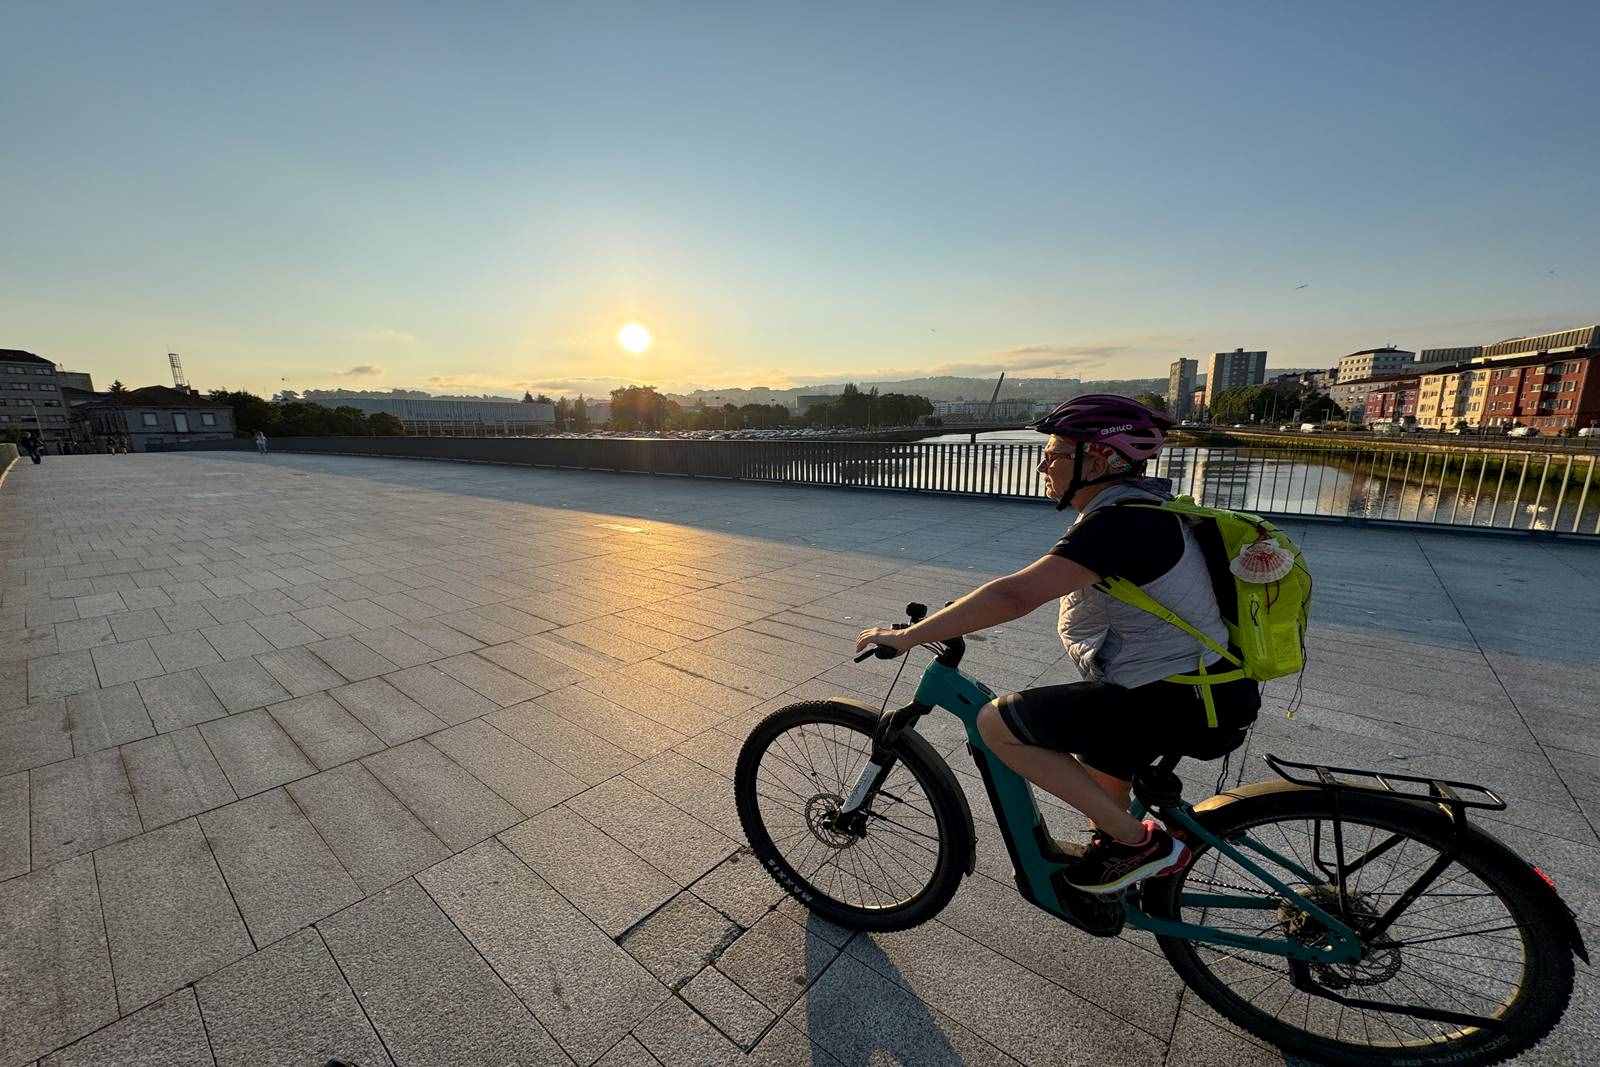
(475, 197)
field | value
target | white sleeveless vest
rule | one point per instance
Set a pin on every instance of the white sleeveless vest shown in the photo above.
(1115, 642)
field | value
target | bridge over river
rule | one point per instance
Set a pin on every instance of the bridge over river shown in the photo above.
(315, 755)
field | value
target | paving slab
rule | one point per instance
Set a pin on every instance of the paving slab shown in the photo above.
(458, 808)
(14, 834)
(79, 805)
(53, 951)
(449, 699)
(287, 1003)
(740, 1017)
(169, 1031)
(236, 640)
(526, 779)
(540, 728)
(243, 684)
(398, 648)
(413, 971)
(587, 992)
(169, 918)
(681, 939)
(673, 841)
(352, 659)
(284, 631)
(324, 731)
(173, 776)
(63, 674)
(254, 751)
(604, 879)
(33, 735)
(178, 700)
(494, 682)
(183, 650)
(300, 672)
(377, 839)
(281, 874)
(387, 712)
(860, 1016)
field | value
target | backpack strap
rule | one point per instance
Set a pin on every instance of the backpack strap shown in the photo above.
(1130, 594)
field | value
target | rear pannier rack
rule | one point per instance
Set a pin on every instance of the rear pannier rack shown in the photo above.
(1457, 796)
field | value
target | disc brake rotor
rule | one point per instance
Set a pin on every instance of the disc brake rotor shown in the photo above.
(1379, 960)
(822, 814)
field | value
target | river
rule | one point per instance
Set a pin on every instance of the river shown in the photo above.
(1521, 490)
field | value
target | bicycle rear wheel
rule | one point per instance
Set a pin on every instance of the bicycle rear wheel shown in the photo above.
(1480, 940)
(794, 774)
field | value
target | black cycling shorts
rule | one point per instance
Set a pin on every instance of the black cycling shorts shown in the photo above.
(1118, 731)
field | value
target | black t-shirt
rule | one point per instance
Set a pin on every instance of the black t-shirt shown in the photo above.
(1139, 544)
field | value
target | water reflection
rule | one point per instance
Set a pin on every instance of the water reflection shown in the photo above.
(1523, 490)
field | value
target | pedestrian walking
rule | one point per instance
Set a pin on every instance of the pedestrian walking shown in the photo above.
(33, 446)
(261, 442)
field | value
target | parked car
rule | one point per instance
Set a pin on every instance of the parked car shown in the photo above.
(1308, 427)
(1589, 431)
(1522, 431)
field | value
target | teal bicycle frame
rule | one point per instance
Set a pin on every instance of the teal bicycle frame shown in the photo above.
(1022, 826)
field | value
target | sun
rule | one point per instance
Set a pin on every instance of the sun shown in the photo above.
(634, 338)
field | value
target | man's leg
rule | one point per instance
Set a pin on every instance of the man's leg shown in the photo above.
(1063, 776)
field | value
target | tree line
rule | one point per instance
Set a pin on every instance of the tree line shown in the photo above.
(641, 407)
(300, 418)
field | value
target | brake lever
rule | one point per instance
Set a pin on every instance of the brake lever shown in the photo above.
(882, 651)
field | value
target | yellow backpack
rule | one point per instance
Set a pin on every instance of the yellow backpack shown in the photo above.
(1266, 621)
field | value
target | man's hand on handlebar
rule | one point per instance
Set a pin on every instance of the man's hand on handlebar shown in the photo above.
(886, 637)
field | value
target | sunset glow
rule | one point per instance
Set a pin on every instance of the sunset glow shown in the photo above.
(634, 338)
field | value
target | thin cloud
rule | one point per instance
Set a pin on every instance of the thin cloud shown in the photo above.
(362, 370)
(385, 335)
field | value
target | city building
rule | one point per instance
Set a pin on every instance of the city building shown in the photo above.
(1375, 363)
(1012, 409)
(1584, 337)
(1393, 400)
(1231, 369)
(1180, 386)
(1353, 395)
(30, 396)
(1437, 357)
(154, 415)
(1445, 397)
(425, 413)
(1197, 403)
(803, 404)
(1550, 394)
(72, 379)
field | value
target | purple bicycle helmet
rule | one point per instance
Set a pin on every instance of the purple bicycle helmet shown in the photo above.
(1119, 423)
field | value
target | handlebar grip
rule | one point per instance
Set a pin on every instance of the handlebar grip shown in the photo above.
(881, 651)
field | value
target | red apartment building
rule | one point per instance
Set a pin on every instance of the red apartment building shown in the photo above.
(1548, 393)
(1394, 401)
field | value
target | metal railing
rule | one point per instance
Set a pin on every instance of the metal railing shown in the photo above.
(1505, 490)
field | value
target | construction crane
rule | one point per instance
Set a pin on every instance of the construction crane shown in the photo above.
(178, 379)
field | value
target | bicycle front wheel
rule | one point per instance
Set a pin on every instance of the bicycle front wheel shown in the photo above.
(1479, 941)
(795, 772)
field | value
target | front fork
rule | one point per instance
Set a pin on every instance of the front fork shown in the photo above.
(852, 818)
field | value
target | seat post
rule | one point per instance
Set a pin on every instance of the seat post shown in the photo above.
(1158, 786)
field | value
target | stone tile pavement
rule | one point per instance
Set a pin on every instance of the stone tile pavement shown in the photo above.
(429, 763)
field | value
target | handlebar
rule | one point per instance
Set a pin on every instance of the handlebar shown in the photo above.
(950, 653)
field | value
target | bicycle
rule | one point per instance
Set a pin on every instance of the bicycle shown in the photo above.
(1323, 911)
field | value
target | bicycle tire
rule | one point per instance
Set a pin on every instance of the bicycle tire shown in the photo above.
(932, 774)
(1545, 983)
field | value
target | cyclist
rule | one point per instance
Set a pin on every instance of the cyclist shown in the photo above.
(1084, 741)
